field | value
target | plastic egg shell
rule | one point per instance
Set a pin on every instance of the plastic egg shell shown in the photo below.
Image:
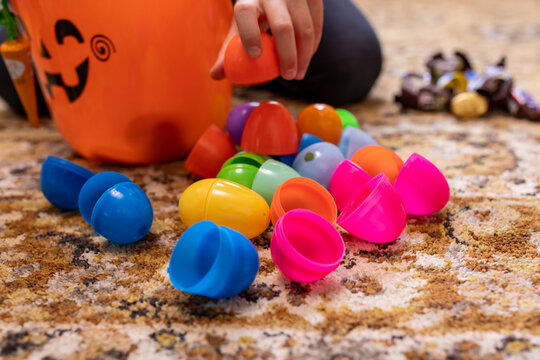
(318, 162)
(348, 118)
(116, 207)
(241, 69)
(422, 186)
(212, 149)
(376, 159)
(213, 261)
(307, 140)
(270, 129)
(242, 174)
(61, 182)
(376, 214)
(354, 139)
(123, 214)
(286, 159)
(302, 193)
(270, 176)
(347, 181)
(248, 158)
(321, 120)
(225, 203)
(237, 119)
(306, 247)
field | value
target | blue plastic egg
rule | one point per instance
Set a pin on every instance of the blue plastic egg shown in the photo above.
(116, 207)
(213, 261)
(94, 188)
(354, 139)
(318, 162)
(307, 140)
(286, 159)
(61, 182)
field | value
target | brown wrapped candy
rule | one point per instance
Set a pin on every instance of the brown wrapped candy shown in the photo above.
(469, 104)
(497, 91)
(522, 105)
(418, 93)
(496, 84)
(438, 65)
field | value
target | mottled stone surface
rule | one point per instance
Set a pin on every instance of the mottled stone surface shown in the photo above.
(461, 284)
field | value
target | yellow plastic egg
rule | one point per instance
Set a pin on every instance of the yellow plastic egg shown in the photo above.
(225, 203)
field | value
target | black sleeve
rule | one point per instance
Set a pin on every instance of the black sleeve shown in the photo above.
(347, 62)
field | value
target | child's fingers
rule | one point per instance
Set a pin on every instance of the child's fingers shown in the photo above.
(218, 70)
(277, 15)
(304, 34)
(246, 14)
(317, 10)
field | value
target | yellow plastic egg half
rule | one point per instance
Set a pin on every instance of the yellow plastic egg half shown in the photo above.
(225, 203)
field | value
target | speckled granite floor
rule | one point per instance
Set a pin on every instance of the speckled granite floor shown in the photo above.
(462, 284)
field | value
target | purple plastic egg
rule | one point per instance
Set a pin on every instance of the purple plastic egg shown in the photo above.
(237, 119)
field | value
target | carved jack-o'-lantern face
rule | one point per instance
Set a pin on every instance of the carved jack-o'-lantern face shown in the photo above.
(127, 82)
(65, 28)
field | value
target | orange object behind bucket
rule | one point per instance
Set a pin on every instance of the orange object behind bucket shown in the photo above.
(128, 81)
(16, 55)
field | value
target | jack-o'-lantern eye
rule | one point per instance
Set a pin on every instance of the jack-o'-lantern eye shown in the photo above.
(65, 28)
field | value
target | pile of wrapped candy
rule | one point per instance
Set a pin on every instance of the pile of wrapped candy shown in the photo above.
(452, 84)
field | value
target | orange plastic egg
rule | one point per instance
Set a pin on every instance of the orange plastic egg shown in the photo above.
(375, 159)
(241, 69)
(321, 120)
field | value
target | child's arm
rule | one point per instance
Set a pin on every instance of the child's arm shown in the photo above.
(295, 24)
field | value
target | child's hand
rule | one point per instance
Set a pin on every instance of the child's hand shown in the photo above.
(296, 26)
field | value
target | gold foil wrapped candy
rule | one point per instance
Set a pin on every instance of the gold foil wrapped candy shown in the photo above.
(469, 105)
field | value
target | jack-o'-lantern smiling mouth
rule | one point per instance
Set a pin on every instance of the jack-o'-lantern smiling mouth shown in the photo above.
(72, 92)
(102, 47)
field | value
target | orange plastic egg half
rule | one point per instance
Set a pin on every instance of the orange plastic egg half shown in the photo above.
(241, 69)
(376, 159)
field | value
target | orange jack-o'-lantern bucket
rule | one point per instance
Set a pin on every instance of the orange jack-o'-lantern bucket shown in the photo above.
(127, 81)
